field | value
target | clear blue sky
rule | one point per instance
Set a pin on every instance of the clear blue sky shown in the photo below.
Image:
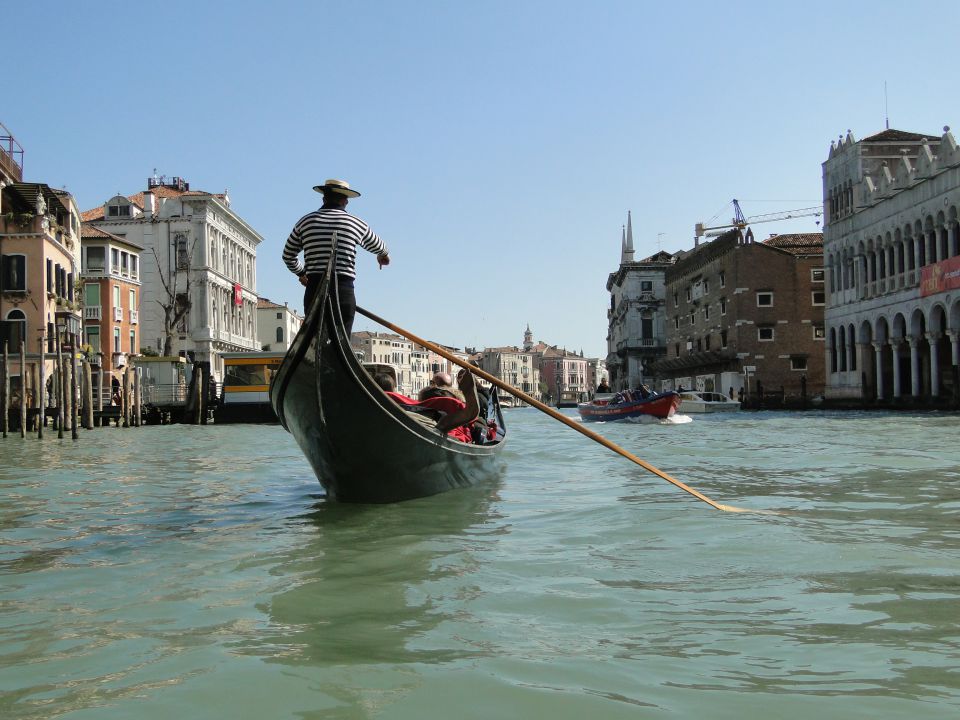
(498, 145)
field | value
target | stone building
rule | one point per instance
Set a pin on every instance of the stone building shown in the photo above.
(563, 373)
(746, 314)
(892, 248)
(597, 371)
(276, 325)
(198, 268)
(391, 349)
(636, 334)
(39, 274)
(111, 302)
(513, 366)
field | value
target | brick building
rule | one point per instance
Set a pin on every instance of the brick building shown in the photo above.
(746, 314)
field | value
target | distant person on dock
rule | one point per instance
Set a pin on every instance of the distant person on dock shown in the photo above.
(313, 236)
(603, 387)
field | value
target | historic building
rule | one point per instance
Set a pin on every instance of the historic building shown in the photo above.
(746, 314)
(198, 269)
(563, 373)
(276, 325)
(39, 271)
(110, 271)
(391, 349)
(636, 335)
(597, 371)
(892, 248)
(513, 366)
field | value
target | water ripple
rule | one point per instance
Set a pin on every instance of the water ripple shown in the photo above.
(142, 570)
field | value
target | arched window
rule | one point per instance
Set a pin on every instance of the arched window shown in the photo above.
(14, 330)
(842, 350)
(833, 349)
(851, 338)
(279, 334)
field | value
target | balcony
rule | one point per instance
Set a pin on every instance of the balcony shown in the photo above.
(119, 359)
(118, 314)
(11, 154)
(93, 313)
(134, 317)
(638, 344)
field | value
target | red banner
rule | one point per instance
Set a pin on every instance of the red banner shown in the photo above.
(237, 295)
(940, 277)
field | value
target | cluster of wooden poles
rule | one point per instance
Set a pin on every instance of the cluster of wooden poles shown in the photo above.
(70, 394)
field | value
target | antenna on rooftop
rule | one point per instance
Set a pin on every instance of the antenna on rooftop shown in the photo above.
(886, 107)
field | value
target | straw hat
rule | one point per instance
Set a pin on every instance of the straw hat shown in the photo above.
(338, 186)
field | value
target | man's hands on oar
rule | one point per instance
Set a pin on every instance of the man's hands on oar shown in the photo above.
(556, 415)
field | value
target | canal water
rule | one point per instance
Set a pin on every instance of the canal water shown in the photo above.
(198, 572)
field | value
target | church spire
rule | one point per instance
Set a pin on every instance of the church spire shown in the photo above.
(626, 254)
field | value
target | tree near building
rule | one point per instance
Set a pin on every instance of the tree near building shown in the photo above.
(175, 297)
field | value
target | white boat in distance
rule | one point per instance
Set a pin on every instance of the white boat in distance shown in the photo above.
(703, 402)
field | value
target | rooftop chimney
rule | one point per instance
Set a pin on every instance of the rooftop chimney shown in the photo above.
(149, 205)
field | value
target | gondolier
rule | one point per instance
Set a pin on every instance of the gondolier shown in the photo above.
(313, 235)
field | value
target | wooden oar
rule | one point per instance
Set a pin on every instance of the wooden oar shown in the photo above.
(552, 413)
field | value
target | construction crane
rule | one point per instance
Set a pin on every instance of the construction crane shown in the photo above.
(740, 222)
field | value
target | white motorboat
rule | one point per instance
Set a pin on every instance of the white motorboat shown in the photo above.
(703, 402)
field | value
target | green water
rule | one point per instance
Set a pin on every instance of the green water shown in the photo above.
(197, 572)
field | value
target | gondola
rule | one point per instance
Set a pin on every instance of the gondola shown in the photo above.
(363, 447)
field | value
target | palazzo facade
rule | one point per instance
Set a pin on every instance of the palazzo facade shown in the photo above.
(198, 264)
(892, 250)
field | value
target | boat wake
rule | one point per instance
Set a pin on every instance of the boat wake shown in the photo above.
(675, 419)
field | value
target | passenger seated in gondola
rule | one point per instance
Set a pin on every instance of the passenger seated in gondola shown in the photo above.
(440, 390)
(441, 379)
(441, 385)
(454, 417)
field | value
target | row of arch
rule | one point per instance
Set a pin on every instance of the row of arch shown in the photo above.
(922, 242)
(912, 353)
(840, 201)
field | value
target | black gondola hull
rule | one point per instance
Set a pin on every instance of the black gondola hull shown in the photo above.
(362, 446)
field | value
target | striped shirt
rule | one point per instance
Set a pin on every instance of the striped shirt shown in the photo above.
(313, 235)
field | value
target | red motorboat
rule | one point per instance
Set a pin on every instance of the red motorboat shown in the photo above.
(629, 404)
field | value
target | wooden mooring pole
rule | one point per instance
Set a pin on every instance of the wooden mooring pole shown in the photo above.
(99, 420)
(198, 394)
(87, 396)
(61, 391)
(42, 389)
(74, 394)
(23, 388)
(5, 390)
(37, 390)
(137, 398)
